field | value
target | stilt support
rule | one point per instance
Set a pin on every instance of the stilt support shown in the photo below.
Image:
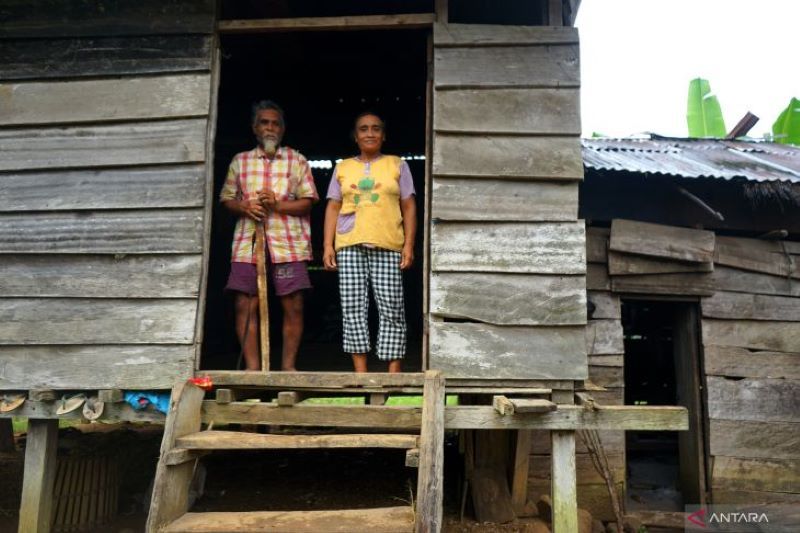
(36, 508)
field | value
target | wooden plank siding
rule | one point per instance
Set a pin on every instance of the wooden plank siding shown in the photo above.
(103, 177)
(507, 252)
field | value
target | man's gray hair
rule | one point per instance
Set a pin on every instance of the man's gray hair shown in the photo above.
(264, 105)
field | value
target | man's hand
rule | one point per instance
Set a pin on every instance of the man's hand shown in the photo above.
(407, 256)
(329, 258)
(252, 209)
(267, 199)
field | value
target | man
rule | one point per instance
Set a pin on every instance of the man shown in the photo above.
(271, 185)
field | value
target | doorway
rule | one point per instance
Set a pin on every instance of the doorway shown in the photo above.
(322, 80)
(664, 470)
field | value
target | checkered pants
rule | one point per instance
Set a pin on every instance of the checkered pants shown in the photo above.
(358, 267)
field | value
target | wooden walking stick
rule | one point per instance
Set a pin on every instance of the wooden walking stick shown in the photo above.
(263, 308)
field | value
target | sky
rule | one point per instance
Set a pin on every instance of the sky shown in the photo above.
(637, 57)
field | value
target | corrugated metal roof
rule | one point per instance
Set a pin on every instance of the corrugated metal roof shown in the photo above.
(695, 158)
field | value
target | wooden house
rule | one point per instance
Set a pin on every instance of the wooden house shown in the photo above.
(693, 280)
(118, 120)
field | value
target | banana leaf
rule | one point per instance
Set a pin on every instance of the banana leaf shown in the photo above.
(703, 113)
(786, 129)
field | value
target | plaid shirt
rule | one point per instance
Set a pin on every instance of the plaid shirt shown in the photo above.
(289, 176)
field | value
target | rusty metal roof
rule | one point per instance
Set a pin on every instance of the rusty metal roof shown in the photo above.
(695, 158)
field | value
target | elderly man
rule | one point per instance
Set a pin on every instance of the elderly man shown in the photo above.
(271, 185)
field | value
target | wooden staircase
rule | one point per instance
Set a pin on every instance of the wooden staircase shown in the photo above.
(184, 443)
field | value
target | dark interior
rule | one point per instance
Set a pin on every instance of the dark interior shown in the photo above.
(653, 376)
(322, 80)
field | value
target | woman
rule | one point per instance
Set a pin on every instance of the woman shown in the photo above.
(370, 225)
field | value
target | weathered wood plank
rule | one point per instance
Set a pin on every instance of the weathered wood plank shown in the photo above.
(98, 276)
(508, 299)
(658, 240)
(380, 520)
(735, 361)
(544, 248)
(170, 497)
(756, 335)
(606, 360)
(103, 56)
(767, 440)
(606, 305)
(734, 280)
(171, 141)
(507, 66)
(584, 467)
(510, 111)
(760, 400)
(597, 278)
(613, 443)
(142, 187)
(95, 321)
(607, 375)
(780, 258)
(481, 350)
(503, 156)
(530, 201)
(36, 507)
(237, 440)
(115, 412)
(739, 473)
(165, 231)
(430, 483)
(95, 367)
(343, 23)
(688, 284)
(782, 508)
(622, 264)
(445, 35)
(101, 100)
(741, 305)
(593, 498)
(107, 17)
(597, 244)
(604, 337)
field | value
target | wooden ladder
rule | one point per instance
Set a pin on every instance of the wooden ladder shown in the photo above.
(184, 443)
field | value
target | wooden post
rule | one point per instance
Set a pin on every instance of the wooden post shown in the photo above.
(563, 476)
(431, 456)
(35, 511)
(263, 308)
(519, 476)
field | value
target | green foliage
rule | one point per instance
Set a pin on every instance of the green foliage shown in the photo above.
(703, 112)
(786, 129)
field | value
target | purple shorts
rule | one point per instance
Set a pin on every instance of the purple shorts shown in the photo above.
(286, 277)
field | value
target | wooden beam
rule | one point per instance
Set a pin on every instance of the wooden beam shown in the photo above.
(430, 484)
(315, 380)
(236, 440)
(406, 21)
(112, 412)
(36, 506)
(520, 470)
(621, 417)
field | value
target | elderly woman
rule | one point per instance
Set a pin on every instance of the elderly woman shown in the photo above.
(370, 225)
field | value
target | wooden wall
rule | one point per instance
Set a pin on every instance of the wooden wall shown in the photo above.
(749, 293)
(104, 111)
(507, 286)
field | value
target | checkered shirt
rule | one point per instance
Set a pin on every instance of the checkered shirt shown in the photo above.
(289, 176)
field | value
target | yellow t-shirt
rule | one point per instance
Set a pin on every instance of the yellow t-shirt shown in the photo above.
(371, 192)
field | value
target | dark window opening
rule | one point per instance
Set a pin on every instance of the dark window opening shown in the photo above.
(504, 12)
(256, 9)
(664, 469)
(322, 80)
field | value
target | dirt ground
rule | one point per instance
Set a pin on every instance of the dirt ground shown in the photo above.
(262, 480)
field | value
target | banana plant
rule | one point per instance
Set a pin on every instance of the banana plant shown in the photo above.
(703, 112)
(786, 129)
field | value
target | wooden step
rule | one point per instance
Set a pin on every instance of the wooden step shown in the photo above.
(235, 440)
(382, 520)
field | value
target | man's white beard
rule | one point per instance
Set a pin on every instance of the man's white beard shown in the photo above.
(270, 145)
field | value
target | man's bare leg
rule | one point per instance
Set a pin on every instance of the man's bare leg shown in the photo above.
(292, 329)
(395, 366)
(360, 362)
(244, 304)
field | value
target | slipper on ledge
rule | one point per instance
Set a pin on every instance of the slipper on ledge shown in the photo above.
(9, 402)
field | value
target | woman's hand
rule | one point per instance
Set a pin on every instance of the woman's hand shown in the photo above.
(407, 256)
(329, 258)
